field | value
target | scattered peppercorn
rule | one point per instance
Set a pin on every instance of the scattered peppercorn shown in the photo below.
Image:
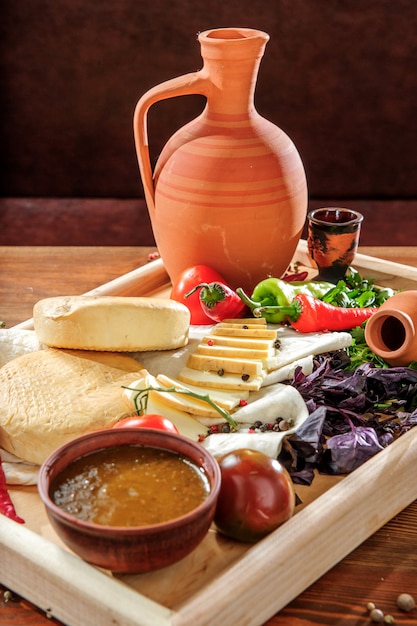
(245, 377)
(376, 615)
(406, 602)
(220, 372)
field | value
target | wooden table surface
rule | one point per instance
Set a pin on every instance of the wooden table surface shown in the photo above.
(378, 571)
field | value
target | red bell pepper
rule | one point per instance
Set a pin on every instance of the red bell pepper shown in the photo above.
(218, 301)
(187, 280)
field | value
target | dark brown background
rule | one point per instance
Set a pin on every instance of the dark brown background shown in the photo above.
(338, 77)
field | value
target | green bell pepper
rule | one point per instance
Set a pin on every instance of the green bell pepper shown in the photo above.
(273, 292)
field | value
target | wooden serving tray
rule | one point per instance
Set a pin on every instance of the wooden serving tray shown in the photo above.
(217, 582)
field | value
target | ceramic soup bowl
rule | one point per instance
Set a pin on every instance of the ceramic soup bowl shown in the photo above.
(115, 540)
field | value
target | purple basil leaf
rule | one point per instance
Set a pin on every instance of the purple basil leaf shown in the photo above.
(351, 449)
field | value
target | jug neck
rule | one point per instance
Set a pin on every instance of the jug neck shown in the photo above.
(231, 61)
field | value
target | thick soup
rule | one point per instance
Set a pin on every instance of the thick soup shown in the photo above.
(130, 486)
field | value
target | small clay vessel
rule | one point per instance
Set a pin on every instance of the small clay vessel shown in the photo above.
(392, 331)
(332, 240)
(229, 188)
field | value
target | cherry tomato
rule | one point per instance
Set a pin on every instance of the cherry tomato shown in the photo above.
(187, 280)
(147, 421)
(256, 495)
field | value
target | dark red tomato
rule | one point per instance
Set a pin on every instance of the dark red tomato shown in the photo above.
(147, 421)
(256, 495)
(187, 280)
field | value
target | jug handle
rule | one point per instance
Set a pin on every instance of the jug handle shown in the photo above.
(188, 84)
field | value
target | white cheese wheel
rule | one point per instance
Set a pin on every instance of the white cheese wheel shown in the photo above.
(52, 396)
(111, 323)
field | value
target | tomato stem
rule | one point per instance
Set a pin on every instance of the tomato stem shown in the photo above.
(141, 400)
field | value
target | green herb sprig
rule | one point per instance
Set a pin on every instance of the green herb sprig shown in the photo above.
(356, 291)
(359, 352)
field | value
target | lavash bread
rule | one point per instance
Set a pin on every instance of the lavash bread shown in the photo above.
(52, 396)
(111, 323)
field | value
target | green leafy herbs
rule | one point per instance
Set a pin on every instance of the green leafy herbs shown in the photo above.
(356, 291)
(141, 400)
(359, 352)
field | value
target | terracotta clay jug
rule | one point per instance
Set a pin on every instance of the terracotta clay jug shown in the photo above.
(229, 188)
(392, 331)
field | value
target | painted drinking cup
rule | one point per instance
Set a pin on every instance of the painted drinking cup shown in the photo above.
(332, 240)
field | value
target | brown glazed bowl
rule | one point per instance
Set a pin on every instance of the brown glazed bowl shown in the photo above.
(130, 549)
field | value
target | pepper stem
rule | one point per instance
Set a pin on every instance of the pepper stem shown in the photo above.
(292, 312)
(246, 299)
(196, 288)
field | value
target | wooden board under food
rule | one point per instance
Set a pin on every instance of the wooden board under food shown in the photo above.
(217, 582)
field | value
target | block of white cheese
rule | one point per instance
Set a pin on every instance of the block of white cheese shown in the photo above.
(52, 396)
(111, 323)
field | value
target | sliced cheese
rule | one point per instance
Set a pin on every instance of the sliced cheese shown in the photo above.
(185, 403)
(186, 424)
(252, 367)
(228, 400)
(258, 321)
(214, 381)
(234, 352)
(255, 332)
(249, 343)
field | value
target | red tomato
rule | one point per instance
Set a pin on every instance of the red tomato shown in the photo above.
(147, 421)
(187, 280)
(256, 495)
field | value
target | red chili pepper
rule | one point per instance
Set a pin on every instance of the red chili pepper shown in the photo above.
(308, 315)
(6, 504)
(218, 301)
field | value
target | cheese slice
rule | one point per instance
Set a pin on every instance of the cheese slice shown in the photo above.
(252, 367)
(234, 352)
(249, 343)
(186, 404)
(186, 424)
(258, 321)
(254, 332)
(214, 381)
(228, 400)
